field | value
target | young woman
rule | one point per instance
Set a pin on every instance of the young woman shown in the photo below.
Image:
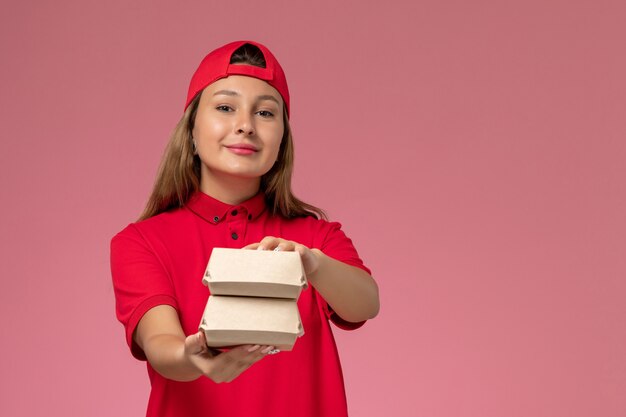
(225, 181)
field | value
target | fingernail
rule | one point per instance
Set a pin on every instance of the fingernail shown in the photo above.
(253, 348)
(259, 247)
(267, 349)
(276, 249)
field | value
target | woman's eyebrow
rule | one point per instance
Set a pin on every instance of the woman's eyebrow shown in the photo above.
(267, 97)
(226, 93)
(234, 93)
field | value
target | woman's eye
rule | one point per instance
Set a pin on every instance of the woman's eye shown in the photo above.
(265, 113)
(224, 108)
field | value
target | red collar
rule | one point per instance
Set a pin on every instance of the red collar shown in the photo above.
(214, 211)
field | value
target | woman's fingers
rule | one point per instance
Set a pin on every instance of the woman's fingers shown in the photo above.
(227, 365)
(242, 363)
(285, 246)
(310, 260)
(277, 244)
(233, 363)
(268, 243)
(195, 344)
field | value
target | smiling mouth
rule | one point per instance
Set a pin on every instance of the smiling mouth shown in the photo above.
(243, 146)
(242, 149)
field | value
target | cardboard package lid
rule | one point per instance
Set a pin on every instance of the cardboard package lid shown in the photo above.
(255, 273)
(231, 321)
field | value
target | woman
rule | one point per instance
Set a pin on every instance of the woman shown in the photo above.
(225, 181)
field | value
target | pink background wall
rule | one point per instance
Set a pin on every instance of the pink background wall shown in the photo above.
(474, 151)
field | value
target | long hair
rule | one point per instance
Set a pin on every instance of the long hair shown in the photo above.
(178, 176)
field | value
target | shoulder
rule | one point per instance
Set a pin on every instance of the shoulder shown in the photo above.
(315, 232)
(161, 225)
(311, 225)
(327, 236)
(311, 222)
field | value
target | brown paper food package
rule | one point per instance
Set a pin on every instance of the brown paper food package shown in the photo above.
(230, 321)
(255, 273)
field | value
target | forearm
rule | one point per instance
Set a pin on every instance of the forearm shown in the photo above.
(351, 292)
(166, 354)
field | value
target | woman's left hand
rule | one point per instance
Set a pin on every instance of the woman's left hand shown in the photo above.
(310, 257)
(350, 291)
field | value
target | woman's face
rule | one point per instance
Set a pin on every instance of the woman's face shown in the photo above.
(238, 128)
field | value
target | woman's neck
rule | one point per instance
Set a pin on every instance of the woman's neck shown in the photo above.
(229, 189)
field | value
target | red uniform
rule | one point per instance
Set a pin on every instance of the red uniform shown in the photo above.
(161, 260)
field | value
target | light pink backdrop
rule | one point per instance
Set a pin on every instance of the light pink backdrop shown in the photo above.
(474, 151)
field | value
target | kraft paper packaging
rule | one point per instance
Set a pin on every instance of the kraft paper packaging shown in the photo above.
(230, 321)
(255, 273)
(253, 298)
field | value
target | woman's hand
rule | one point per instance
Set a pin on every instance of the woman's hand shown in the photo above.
(350, 291)
(226, 366)
(181, 358)
(310, 257)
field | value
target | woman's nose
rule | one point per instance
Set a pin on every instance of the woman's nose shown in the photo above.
(245, 125)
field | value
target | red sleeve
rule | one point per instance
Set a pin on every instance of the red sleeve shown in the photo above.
(140, 281)
(339, 246)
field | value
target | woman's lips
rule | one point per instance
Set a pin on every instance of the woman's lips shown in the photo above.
(241, 149)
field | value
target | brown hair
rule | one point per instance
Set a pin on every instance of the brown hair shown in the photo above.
(179, 172)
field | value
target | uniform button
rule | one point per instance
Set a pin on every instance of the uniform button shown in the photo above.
(249, 216)
(215, 219)
(234, 212)
(234, 236)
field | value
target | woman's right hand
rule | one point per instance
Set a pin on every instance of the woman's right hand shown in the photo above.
(185, 358)
(225, 366)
